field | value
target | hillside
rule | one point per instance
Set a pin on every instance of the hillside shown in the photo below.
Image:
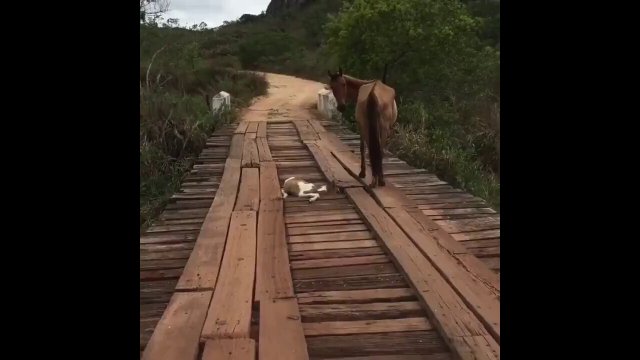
(442, 57)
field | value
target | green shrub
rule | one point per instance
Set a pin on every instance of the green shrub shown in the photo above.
(174, 118)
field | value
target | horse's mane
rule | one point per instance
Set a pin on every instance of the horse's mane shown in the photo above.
(357, 81)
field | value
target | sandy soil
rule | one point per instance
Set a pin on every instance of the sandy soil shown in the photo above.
(288, 98)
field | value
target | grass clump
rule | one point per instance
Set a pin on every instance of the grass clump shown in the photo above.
(175, 121)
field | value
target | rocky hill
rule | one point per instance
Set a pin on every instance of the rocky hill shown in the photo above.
(278, 6)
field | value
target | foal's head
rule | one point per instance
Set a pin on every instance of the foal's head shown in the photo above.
(339, 87)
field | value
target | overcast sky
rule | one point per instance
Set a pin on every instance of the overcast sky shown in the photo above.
(213, 12)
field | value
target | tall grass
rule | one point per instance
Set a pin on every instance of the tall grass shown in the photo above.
(175, 120)
(461, 153)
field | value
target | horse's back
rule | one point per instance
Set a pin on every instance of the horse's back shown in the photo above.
(386, 107)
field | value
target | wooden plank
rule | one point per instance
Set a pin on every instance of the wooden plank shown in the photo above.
(324, 223)
(270, 194)
(333, 245)
(295, 164)
(310, 230)
(167, 247)
(264, 153)
(351, 283)
(458, 205)
(450, 314)
(492, 262)
(230, 311)
(317, 127)
(336, 145)
(355, 296)
(435, 212)
(281, 332)
(249, 194)
(436, 356)
(311, 212)
(170, 238)
(305, 130)
(336, 217)
(152, 275)
(262, 130)
(242, 127)
(274, 274)
(448, 242)
(252, 127)
(482, 243)
(366, 326)
(335, 253)
(389, 196)
(172, 228)
(349, 161)
(177, 335)
(201, 270)
(162, 264)
(478, 295)
(369, 311)
(250, 156)
(462, 202)
(341, 236)
(235, 149)
(413, 342)
(165, 255)
(458, 195)
(464, 225)
(486, 251)
(229, 349)
(330, 167)
(350, 270)
(336, 262)
(325, 197)
(152, 311)
(477, 235)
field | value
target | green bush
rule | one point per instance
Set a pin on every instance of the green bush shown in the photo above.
(174, 118)
(446, 80)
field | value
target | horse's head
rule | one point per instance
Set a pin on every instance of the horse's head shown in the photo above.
(338, 85)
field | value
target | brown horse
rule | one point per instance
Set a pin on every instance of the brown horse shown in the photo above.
(376, 113)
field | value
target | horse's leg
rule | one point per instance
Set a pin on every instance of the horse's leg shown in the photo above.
(381, 179)
(363, 166)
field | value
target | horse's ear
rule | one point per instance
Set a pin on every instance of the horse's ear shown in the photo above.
(340, 71)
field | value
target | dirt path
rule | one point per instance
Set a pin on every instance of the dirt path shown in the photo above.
(288, 97)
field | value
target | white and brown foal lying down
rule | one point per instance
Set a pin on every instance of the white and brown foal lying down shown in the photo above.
(300, 188)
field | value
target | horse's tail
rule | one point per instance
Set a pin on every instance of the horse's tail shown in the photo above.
(373, 117)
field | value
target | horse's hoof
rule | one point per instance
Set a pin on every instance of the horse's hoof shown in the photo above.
(362, 175)
(381, 182)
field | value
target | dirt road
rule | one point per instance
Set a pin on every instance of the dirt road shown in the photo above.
(288, 97)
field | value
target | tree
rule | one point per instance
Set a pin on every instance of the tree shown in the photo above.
(423, 44)
(172, 22)
(151, 10)
(253, 49)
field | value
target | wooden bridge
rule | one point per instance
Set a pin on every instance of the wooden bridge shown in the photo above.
(232, 271)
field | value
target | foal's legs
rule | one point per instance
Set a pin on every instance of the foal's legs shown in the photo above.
(363, 167)
(312, 196)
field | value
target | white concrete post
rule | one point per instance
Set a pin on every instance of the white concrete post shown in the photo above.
(221, 101)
